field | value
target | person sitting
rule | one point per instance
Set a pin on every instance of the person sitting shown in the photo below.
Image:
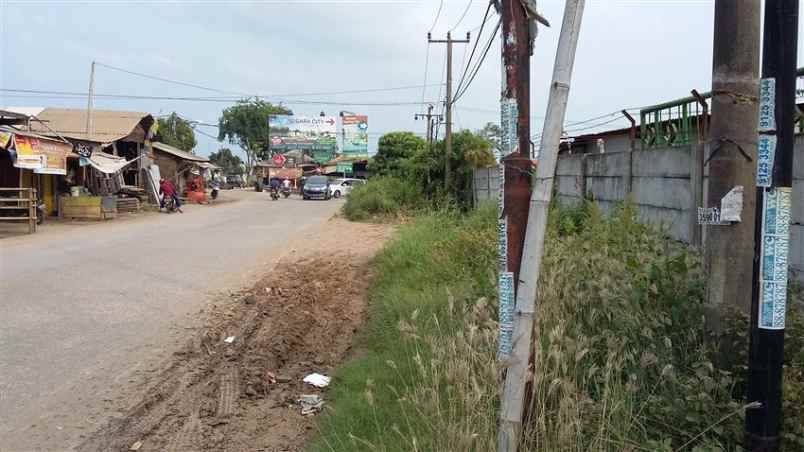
(166, 189)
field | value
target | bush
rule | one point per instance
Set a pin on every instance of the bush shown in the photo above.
(620, 357)
(382, 197)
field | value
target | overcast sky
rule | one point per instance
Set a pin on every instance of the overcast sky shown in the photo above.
(631, 53)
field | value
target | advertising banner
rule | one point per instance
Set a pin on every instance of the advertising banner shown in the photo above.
(300, 132)
(27, 155)
(54, 157)
(355, 137)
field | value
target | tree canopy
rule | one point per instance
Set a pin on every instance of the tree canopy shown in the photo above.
(231, 163)
(393, 149)
(246, 125)
(405, 155)
(176, 132)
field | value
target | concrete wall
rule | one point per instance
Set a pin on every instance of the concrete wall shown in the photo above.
(486, 184)
(661, 189)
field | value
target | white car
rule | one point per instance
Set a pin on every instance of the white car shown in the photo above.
(342, 187)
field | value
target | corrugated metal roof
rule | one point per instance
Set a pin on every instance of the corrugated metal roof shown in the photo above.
(178, 152)
(108, 125)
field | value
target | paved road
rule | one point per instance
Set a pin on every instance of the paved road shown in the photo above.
(87, 310)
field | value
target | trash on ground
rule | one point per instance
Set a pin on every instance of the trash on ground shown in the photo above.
(136, 446)
(317, 380)
(229, 339)
(310, 404)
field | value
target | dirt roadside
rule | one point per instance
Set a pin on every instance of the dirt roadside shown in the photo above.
(300, 318)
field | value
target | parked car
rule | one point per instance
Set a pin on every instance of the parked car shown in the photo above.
(233, 181)
(316, 187)
(342, 187)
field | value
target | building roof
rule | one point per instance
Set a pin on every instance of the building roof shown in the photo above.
(108, 125)
(184, 155)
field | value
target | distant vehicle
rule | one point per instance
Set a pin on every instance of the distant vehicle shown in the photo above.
(316, 187)
(234, 181)
(342, 187)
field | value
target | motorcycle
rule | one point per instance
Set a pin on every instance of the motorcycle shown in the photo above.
(274, 194)
(40, 213)
(286, 192)
(170, 204)
(215, 189)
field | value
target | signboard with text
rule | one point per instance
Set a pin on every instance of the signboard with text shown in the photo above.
(355, 137)
(314, 134)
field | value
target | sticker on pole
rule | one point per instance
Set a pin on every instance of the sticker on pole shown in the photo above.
(729, 212)
(767, 105)
(506, 315)
(508, 123)
(775, 252)
(766, 154)
(502, 225)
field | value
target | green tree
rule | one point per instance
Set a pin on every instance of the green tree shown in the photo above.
(394, 150)
(493, 134)
(176, 132)
(231, 163)
(246, 125)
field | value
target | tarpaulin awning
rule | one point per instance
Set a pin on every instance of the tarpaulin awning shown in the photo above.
(106, 163)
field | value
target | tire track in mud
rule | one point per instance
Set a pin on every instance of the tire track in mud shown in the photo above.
(214, 396)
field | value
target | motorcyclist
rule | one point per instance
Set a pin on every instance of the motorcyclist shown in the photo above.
(275, 185)
(166, 189)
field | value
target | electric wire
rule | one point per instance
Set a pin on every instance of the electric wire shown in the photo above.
(469, 5)
(438, 14)
(479, 64)
(474, 48)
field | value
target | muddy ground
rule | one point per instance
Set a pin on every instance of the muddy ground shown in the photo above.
(215, 396)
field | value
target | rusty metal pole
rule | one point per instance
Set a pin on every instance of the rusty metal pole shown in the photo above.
(515, 183)
(515, 105)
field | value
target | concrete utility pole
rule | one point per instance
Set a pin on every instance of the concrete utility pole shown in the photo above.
(774, 181)
(429, 117)
(448, 134)
(527, 288)
(90, 126)
(732, 143)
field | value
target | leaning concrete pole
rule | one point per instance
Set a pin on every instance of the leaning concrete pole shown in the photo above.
(728, 254)
(516, 376)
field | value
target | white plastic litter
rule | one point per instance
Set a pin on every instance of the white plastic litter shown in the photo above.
(317, 380)
(310, 404)
(229, 339)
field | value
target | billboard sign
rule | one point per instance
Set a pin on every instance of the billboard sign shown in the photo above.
(355, 136)
(290, 132)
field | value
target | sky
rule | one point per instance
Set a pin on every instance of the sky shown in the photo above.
(631, 53)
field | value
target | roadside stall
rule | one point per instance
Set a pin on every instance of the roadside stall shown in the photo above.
(31, 161)
(96, 200)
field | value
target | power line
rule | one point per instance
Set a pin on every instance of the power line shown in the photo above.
(474, 48)
(206, 88)
(166, 80)
(463, 15)
(426, 68)
(479, 63)
(74, 95)
(438, 14)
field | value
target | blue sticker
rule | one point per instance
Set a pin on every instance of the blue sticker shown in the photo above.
(775, 255)
(506, 306)
(766, 154)
(767, 105)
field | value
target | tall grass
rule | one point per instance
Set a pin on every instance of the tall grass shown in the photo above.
(620, 362)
